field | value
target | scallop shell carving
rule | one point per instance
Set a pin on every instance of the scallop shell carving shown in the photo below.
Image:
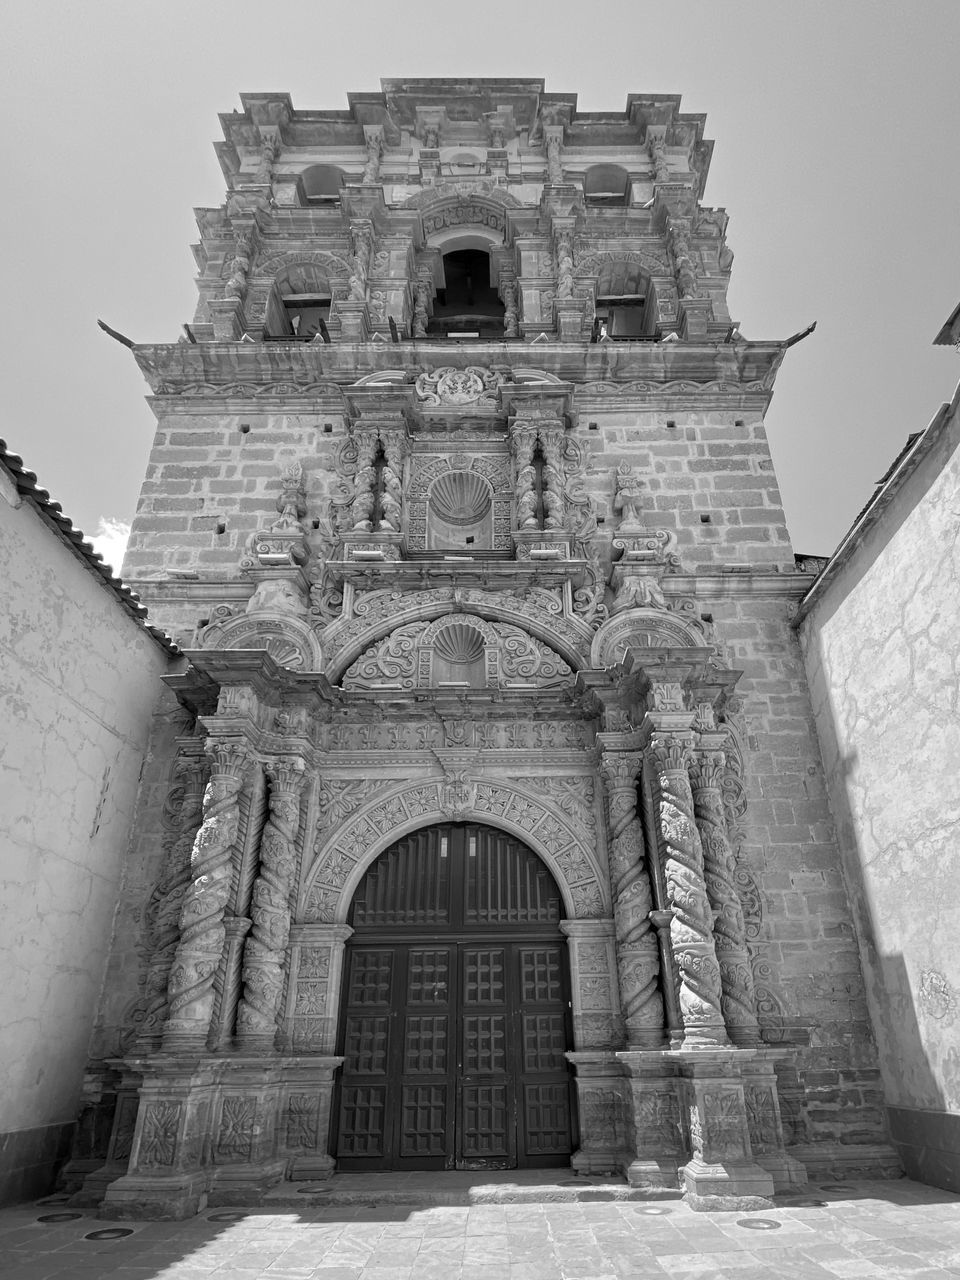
(460, 497)
(459, 643)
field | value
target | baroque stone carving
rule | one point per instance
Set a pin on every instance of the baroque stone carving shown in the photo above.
(563, 848)
(289, 640)
(474, 385)
(639, 958)
(738, 1000)
(644, 627)
(238, 1116)
(265, 949)
(691, 924)
(407, 656)
(163, 911)
(191, 991)
(302, 1121)
(158, 1137)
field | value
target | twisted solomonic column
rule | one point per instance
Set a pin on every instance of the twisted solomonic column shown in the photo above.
(729, 932)
(191, 992)
(189, 776)
(265, 950)
(637, 947)
(691, 928)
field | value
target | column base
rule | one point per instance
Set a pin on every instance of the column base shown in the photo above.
(726, 1185)
(177, 1196)
(245, 1184)
(315, 1168)
(652, 1174)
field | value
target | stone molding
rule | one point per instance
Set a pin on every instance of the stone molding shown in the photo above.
(342, 859)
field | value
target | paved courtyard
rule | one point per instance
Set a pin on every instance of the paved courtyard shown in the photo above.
(895, 1229)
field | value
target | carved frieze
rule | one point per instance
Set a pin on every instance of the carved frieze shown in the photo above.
(474, 386)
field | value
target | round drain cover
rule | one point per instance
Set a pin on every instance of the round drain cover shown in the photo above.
(315, 1191)
(59, 1217)
(758, 1224)
(233, 1215)
(654, 1210)
(110, 1233)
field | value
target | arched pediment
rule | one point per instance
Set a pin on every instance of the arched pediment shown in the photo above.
(458, 650)
(451, 192)
(643, 628)
(289, 640)
(329, 262)
(377, 613)
(343, 857)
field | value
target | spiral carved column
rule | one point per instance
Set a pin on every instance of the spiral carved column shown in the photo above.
(190, 775)
(265, 950)
(729, 932)
(637, 947)
(691, 928)
(191, 992)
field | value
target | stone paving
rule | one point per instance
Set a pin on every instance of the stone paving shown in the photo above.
(894, 1229)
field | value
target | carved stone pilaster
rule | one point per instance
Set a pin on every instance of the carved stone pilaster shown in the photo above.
(373, 137)
(729, 931)
(164, 913)
(511, 314)
(191, 992)
(638, 950)
(265, 950)
(551, 437)
(691, 926)
(553, 146)
(604, 1113)
(421, 303)
(597, 1021)
(316, 969)
(522, 435)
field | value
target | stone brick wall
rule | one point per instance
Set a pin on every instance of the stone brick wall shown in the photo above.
(879, 636)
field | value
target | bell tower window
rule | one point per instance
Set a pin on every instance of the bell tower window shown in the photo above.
(299, 305)
(467, 305)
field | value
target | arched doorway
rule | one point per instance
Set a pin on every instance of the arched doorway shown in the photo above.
(455, 1014)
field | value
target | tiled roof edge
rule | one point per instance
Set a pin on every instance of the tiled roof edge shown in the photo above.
(26, 485)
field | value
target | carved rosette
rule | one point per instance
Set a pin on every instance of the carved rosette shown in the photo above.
(638, 950)
(191, 991)
(265, 949)
(729, 930)
(691, 926)
(189, 781)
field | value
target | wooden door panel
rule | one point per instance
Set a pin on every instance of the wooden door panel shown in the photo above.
(454, 1045)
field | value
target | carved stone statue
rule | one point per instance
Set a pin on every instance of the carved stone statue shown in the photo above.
(629, 499)
(554, 164)
(565, 263)
(371, 170)
(508, 292)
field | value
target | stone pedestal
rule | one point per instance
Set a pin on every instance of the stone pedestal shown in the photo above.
(542, 544)
(121, 1141)
(604, 1113)
(695, 315)
(658, 1146)
(723, 1171)
(354, 317)
(227, 314)
(569, 319)
(306, 1116)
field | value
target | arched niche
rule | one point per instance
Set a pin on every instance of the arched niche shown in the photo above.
(298, 307)
(645, 628)
(467, 303)
(460, 513)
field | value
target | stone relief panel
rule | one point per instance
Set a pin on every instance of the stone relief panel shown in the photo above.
(644, 628)
(340, 859)
(488, 735)
(288, 640)
(458, 650)
(429, 469)
(537, 610)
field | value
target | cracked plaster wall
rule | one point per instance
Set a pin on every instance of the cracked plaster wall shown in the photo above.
(882, 654)
(80, 680)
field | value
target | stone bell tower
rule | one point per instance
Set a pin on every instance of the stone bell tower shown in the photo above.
(489, 827)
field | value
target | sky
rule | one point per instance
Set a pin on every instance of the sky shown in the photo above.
(836, 129)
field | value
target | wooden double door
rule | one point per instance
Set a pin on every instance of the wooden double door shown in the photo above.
(455, 1010)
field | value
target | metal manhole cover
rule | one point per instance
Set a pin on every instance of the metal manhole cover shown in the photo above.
(315, 1191)
(759, 1224)
(230, 1216)
(59, 1217)
(110, 1233)
(654, 1211)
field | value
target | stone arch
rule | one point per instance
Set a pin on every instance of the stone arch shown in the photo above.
(643, 629)
(343, 857)
(289, 640)
(543, 618)
(267, 268)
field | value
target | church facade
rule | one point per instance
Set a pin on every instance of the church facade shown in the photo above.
(485, 826)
